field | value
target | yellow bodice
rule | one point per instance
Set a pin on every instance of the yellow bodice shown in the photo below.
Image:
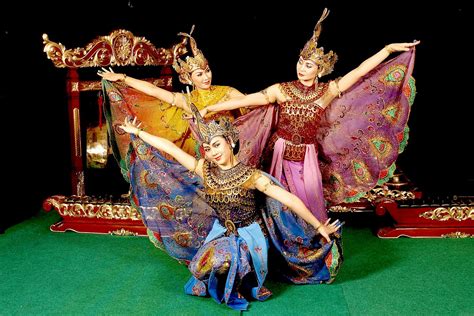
(168, 120)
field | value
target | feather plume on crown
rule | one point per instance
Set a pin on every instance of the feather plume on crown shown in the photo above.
(312, 52)
(184, 68)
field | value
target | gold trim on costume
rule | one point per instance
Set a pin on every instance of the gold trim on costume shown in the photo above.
(231, 193)
(291, 90)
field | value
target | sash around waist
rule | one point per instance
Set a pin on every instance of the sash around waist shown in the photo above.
(294, 149)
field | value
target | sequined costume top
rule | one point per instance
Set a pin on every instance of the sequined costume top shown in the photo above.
(231, 194)
(298, 118)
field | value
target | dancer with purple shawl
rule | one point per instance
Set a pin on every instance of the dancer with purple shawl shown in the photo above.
(345, 133)
(208, 213)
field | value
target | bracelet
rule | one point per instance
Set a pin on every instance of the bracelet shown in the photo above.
(339, 93)
(173, 103)
(317, 227)
(196, 162)
(388, 49)
(138, 133)
(123, 78)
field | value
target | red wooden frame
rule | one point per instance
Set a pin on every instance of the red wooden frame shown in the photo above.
(80, 213)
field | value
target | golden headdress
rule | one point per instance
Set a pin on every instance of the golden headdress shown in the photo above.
(316, 54)
(207, 131)
(185, 67)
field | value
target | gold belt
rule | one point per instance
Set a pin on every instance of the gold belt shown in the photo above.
(294, 152)
(232, 227)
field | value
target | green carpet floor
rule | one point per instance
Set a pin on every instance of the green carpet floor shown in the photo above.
(46, 273)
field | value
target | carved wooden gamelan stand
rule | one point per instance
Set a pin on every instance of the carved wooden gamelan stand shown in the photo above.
(445, 217)
(79, 212)
(402, 210)
(423, 216)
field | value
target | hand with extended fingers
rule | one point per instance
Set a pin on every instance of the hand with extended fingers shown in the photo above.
(110, 75)
(131, 127)
(400, 47)
(328, 228)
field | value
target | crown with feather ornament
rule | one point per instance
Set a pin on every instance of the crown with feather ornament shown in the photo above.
(312, 52)
(207, 131)
(184, 68)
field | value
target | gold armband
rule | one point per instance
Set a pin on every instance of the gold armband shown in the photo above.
(265, 94)
(265, 186)
(336, 84)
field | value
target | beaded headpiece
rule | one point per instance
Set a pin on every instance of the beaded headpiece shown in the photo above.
(185, 67)
(207, 131)
(316, 54)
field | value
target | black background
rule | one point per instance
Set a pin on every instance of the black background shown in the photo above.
(249, 48)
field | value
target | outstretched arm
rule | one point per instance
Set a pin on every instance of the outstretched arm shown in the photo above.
(175, 99)
(353, 76)
(265, 185)
(165, 145)
(269, 95)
